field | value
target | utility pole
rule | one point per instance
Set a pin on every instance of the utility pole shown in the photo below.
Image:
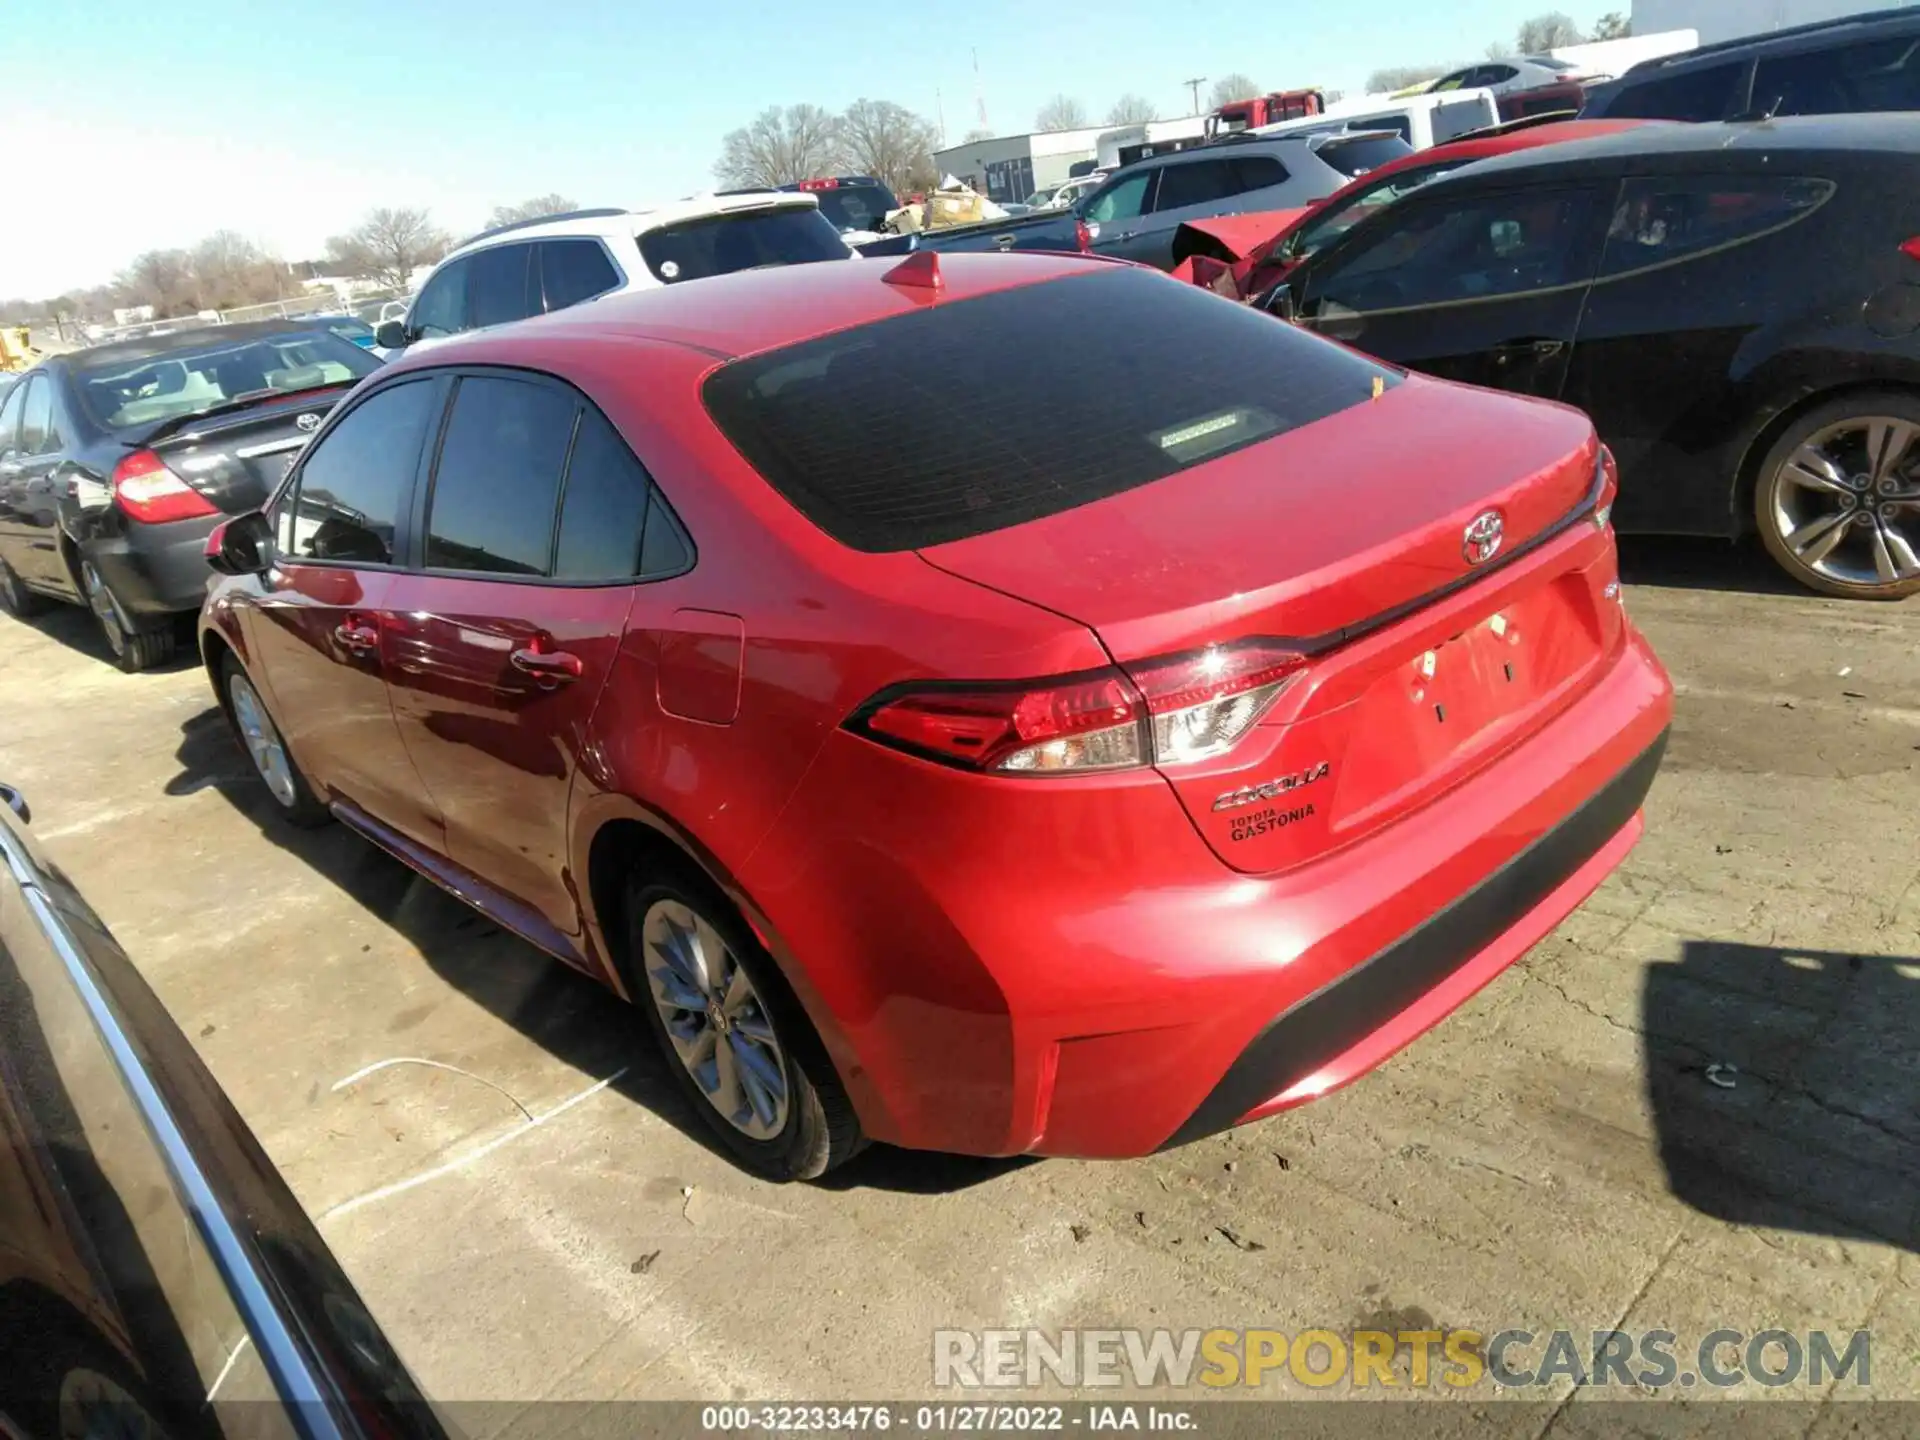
(979, 93)
(1194, 86)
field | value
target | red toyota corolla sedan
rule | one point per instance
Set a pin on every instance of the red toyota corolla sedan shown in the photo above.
(1028, 705)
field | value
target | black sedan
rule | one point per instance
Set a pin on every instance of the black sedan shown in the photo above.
(116, 462)
(157, 1277)
(1736, 305)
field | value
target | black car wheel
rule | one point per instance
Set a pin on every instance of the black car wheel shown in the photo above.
(735, 1039)
(133, 650)
(1838, 498)
(15, 598)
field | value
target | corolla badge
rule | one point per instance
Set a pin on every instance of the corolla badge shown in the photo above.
(1481, 541)
(309, 422)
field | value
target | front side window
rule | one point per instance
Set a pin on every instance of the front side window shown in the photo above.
(442, 307)
(575, 270)
(1706, 94)
(1658, 220)
(498, 477)
(37, 435)
(1331, 224)
(497, 288)
(1122, 200)
(354, 482)
(1484, 247)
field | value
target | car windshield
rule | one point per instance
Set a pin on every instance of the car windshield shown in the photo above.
(854, 207)
(1321, 231)
(843, 428)
(123, 390)
(1356, 155)
(722, 244)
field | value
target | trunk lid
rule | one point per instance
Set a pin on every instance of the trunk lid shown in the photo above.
(1342, 538)
(235, 457)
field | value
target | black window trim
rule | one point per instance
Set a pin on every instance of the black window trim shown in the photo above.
(288, 488)
(657, 502)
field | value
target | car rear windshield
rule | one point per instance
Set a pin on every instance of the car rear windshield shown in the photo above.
(975, 415)
(722, 244)
(1362, 153)
(123, 390)
(855, 207)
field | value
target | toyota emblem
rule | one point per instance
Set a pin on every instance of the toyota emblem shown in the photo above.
(308, 422)
(1481, 542)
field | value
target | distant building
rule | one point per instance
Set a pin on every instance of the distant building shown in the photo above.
(1718, 20)
(1009, 168)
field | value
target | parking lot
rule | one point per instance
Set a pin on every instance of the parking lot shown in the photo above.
(1696, 1105)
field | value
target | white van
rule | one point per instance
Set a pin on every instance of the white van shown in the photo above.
(1423, 121)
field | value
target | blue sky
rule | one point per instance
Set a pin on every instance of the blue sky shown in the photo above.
(145, 126)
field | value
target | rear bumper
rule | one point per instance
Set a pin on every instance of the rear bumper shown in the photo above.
(155, 570)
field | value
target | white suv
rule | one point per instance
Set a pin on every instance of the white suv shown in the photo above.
(533, 266)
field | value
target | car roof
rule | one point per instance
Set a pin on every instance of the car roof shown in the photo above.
(597, 223)
(727, 316)
(1815, 35)
(1886, 132)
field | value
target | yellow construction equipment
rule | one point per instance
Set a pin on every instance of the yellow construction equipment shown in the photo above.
(16, 349)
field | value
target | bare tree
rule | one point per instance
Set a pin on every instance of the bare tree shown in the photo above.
(1131, 109)
(1399, 77)
(1229, 88)
(891, 143)
(780, 147)
(548, 204)
(162, 279)
(1612, 26)
(229, 270)
(389, 245)
(1062, 112)
(977, 134)
(1547, 32)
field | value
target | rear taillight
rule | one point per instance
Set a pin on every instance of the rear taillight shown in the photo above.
(1165, 712)
(1082, 237)
(1911, 249)
(152, 494)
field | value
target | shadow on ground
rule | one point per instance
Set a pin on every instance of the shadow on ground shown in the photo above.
(76, 629)
(1785, 1087)
(565, 1013)
(1676, 562)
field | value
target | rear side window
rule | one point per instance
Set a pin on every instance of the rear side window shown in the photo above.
(1659, 220)
(1024, 428)
(355, 479)
(498, 477)
(722, 244)
(498, 289)
(575, 270)
(1697, 95)
(1198, 182)
(37, 435)
(603, 518)
(10, 418)
(1845, 79)
(1367, 152)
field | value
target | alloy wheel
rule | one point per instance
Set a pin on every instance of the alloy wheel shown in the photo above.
(262, 740)
(1846, 504)
(101, 603)
(720, 1029)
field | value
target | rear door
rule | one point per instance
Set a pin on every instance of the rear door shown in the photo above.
(40, 451)
(1480, 286)
(315, 628)
(1194, 190)
(14, 533)
(1694, 265)
(501, 637)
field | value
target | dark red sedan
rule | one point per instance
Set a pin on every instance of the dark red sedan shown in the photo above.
(998, 704)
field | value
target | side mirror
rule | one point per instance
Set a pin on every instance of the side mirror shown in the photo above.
(242, 545)
(392, 335)
(17, 803)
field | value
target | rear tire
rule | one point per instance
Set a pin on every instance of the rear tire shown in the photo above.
(133, 650)
(15, 598)
(765, 1087)
(1837, 500)
(273, 762)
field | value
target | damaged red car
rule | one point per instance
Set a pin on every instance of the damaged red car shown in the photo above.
(945, 736)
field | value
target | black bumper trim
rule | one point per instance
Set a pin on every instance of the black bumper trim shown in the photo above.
(1343, 1012)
